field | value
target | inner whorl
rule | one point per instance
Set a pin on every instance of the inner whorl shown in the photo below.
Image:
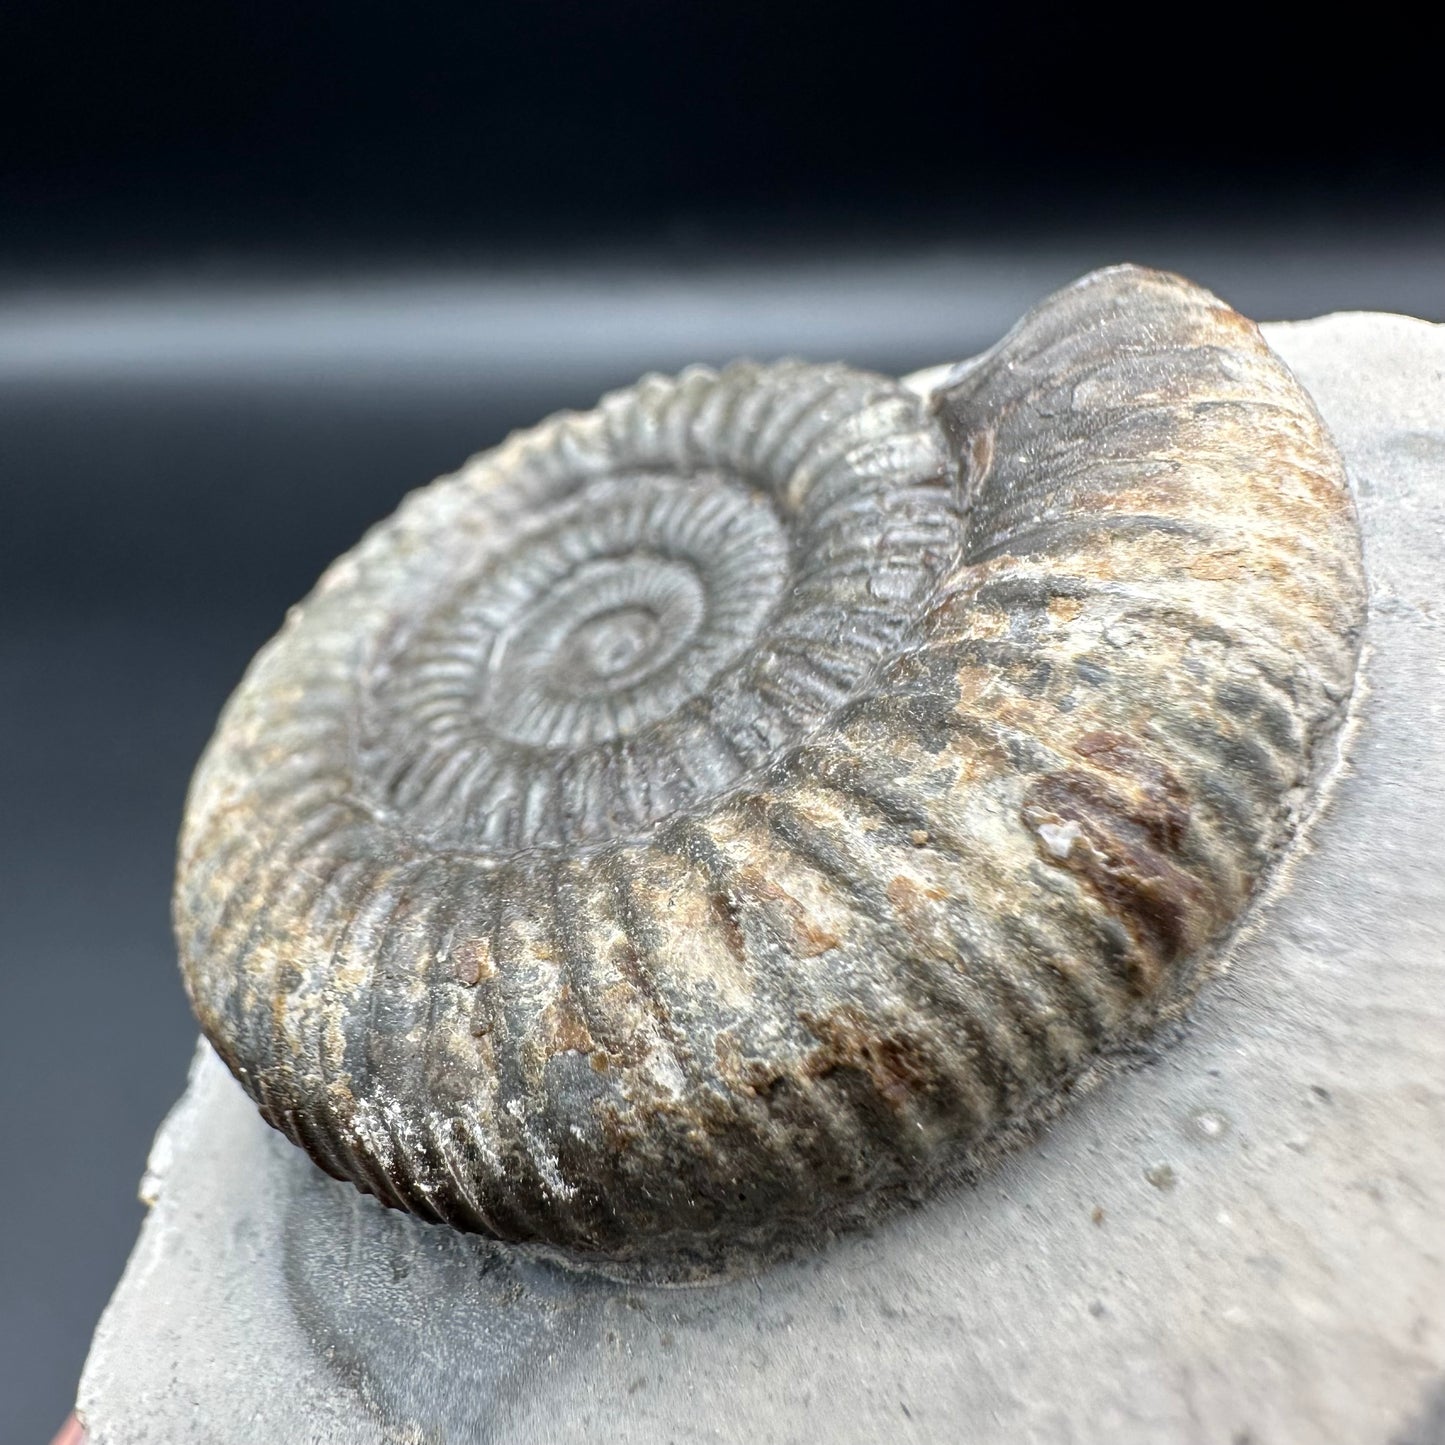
(700, 815)
(639, 608)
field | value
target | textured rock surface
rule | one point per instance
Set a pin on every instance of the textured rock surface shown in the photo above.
(1242, 1241)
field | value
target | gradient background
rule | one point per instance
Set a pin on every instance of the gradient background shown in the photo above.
(265, 267)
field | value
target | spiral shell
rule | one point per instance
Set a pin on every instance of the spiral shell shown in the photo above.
(699, 815)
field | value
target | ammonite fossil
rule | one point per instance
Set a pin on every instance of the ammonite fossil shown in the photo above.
(699, 816)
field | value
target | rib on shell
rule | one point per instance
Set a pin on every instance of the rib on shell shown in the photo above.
(698, 815)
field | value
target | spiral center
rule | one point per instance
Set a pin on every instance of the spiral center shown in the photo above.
(622, 611)
(602, 631)
(607, 648)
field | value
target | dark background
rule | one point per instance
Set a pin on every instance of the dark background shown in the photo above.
(265, 267)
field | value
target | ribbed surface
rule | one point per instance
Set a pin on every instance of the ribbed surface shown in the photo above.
(701, 813)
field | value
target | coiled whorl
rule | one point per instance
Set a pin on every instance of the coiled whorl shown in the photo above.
(698, 815)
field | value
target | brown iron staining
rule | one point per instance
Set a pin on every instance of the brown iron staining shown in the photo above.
(896, 1064)
(564, 1030)
(922, 751)
(1120, 826)
(471, 961)
(775, 907)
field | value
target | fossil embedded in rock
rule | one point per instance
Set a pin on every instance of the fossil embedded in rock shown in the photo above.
(699, 815)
